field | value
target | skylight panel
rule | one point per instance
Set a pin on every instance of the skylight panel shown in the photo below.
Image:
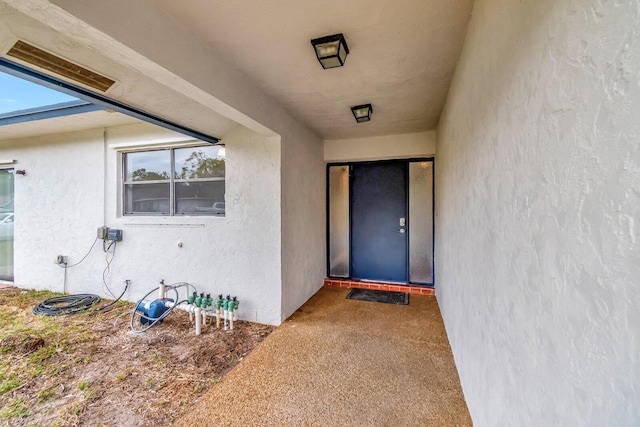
(17, 94)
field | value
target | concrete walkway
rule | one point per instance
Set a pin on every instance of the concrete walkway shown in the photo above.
(339, 362)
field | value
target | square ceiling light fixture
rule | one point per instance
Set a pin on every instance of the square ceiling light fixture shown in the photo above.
(362, 113)
(331, 51)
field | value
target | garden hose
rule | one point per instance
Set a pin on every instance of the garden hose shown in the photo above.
(68, 304)
(73, 304)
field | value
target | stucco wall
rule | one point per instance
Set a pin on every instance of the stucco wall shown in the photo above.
(419, 144)
(538, 199)
(164, 54)
(59, 205)
(303, 219)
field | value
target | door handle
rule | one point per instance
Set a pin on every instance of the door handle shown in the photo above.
(403, 222)
(402, 231)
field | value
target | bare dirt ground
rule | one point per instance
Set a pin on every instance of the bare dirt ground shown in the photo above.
(91, 370)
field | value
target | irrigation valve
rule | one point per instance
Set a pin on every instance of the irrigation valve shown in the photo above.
(199, 307)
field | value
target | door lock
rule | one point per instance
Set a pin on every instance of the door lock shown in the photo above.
(403, 222)
(402, 231)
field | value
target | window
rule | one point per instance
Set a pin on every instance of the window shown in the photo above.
(6, 223)
(176, 181)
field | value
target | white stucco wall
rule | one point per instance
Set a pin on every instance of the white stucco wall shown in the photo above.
(538, 201)
(59, 205)
(419, 144)
(188, 73)
(173, 57)
(303, 219)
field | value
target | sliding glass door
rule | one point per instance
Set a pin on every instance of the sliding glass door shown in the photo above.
(6, 223)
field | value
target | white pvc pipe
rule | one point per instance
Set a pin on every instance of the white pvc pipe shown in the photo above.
(229, 316)
(189, 308)
(198, 313)
(183, 306)
(198, 320)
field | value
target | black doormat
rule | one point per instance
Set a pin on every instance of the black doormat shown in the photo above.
(387, 297)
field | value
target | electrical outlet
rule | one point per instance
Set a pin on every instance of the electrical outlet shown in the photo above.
(60, 259)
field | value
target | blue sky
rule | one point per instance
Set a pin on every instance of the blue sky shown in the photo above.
(18, 94)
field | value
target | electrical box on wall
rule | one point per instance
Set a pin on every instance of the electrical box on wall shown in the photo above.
(114, 235)
(102, 232)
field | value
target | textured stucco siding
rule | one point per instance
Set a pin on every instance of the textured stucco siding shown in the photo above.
(303, 218)
(58, 206)
(165, 69)
(61, 201)
(537, 210)
(228, 91)
(418, 144)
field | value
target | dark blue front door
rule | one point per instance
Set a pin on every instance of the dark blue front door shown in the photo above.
(378, 221)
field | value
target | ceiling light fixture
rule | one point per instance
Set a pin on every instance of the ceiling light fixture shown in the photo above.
(362, 113)
(331, 51)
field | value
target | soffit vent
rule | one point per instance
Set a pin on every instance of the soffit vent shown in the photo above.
(38, 57)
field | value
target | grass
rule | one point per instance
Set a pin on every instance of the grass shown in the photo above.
(68, 370)
(43, 353)
(123, 375)
(158, 358)
(35, 351)
(46, 394)
(16, 409)
(9, 385)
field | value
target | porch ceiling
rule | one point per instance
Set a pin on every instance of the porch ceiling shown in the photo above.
(207, 64)
(402, 56)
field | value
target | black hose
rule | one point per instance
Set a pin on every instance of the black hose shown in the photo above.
(108, 306)
(68, 304)
(73, 304)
